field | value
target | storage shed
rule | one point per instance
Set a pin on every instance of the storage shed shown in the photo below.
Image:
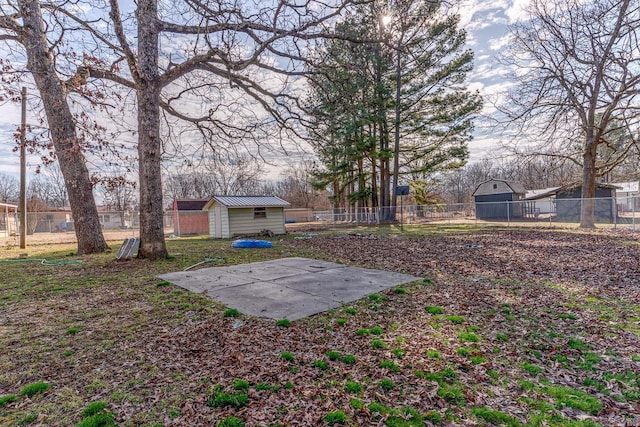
(568, 203)
(493, 199)
(188, 217)
(239, 215)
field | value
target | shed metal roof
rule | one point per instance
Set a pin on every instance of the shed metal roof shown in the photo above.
(540, 193)
(247, 201)
(190, 204)
(553, 191)
(515, 187)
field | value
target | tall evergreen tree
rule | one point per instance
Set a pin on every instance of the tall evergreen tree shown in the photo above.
(403, 81)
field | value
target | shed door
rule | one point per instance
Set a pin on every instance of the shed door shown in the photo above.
(217, 222)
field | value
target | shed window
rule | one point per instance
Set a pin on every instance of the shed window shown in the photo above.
(259, 213)
(495, 186)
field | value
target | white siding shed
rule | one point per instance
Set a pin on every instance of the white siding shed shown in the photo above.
(237, 215)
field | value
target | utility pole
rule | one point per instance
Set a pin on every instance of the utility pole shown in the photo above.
(23, 172)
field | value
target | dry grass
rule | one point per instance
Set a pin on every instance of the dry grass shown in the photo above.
(555, 314)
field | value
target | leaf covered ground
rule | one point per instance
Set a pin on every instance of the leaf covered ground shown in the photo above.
(508, 327)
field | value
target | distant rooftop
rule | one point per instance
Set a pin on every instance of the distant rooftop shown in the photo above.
(247, 201)
(627, 187)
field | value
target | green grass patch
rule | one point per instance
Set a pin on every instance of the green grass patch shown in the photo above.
(378, 344)
(463, 351)
(400, 291)
(405, 417)
(377, 298)
(32, 389)
(230, 422)
(283, 323)
(386, 384)
(433, 354)
(468, 337)
(588, 361)
(232, 312)
(478, 360)
(349, 359)
(398, 352)
(363, 332)
(502, 338)
(434, 309)
(567, 316)
(221, 399)
(433, 417)
(577, 399)
(578, 344)
(353, 387)
(388, 364)
(94, 408)
(103, 419)
(451, 394)
(28, 419)
(376, 330)
(287, 356)
(531, 369)
(321, 364)
(333, 355)
(72, 331)
(263, 387)
(7, 398)
(335, 417)
(240, 384)
(455, 319)
(494, 417)
(356, 403)
(350, 310)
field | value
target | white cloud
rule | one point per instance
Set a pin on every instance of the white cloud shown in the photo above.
(516, 12)
(497, 44)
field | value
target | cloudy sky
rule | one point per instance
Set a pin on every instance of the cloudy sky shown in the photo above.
(486, 22)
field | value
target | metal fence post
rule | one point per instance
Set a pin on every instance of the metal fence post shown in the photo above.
(633, 213)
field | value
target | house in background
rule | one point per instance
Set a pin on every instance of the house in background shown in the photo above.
(493, 199)
(569, 204)
(542, 201)
(628, 196)
(239, 215)
(8, 219)
(189, 218)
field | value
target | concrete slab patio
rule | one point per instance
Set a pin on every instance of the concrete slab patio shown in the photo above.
(287, 288)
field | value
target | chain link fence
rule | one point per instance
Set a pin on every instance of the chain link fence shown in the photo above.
(614, 212)
(617, 212)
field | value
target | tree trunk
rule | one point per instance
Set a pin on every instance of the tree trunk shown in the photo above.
(152, 244)
(587, 211)
(63, 132)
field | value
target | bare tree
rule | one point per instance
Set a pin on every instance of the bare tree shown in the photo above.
(118, 194)
(232, 60)
(23, 27)
(296, 185)
(9, 188)
(233, 176)
(50, 186)
(579, 83)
